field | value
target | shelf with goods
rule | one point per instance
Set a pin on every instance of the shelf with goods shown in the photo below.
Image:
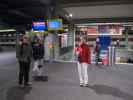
(7, 43)
(7, 38)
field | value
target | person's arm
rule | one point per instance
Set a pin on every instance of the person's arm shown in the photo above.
(18, 50)
(89, 54)
(77, 51)
(32, 50)
(43, 50)
(30, 47)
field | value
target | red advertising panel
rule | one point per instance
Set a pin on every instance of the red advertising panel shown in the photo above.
(92, 30)
(111, 29)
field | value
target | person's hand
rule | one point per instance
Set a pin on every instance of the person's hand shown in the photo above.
(20, 43)
(77, 53)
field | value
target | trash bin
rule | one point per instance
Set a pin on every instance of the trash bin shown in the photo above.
(111, 55)
(105, 61)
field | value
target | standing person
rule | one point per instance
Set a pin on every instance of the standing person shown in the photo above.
(97, 52)
(38, 54)
(118, 43)
(83, 53)
(24, 54)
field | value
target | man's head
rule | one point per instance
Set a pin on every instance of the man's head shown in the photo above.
(83, 40)
(36, 40)
(25, 39)
(40, 41)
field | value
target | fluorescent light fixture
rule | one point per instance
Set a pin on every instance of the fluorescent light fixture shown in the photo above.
(87, 24)
(8, 30)
(37, 31)
(128, 25)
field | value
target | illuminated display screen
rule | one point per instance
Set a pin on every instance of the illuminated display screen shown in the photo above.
(39, 26)
(55, 24)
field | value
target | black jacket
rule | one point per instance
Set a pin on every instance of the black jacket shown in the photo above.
(24, 52)
(38, 51)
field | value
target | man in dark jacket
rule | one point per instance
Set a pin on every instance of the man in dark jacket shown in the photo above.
(24, 54)
(38, 54)
(97, 52)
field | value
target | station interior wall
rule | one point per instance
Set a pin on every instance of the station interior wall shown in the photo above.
(92, 38)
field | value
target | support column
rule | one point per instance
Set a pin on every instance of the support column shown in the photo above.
(126, 37)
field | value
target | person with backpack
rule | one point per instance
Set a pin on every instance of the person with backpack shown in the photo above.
(24, 55)
(38, 55)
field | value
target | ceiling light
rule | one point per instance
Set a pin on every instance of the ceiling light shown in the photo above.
(70, 15)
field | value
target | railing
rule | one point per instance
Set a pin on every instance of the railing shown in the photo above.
(123, 55)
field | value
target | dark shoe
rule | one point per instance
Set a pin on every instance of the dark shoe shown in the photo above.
(86, 85)
(81, 85)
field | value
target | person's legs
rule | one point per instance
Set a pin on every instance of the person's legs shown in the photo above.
(35, 65)
(85, 70)
(42, 61)
(40, 72)
(40, 68)
(21, 72)
(26, 74)
(96, 58)
(40, 65)
(80, 73)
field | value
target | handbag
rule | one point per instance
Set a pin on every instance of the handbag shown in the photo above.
(40, 66)
(79, 58)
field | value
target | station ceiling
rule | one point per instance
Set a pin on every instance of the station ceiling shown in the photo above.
(72, 3)
(23, 12)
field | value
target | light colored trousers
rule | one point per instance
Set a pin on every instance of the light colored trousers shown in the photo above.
(83, 73)
(36, 64)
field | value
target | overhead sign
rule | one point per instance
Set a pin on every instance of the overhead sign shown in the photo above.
(55, 24)
(39, 26)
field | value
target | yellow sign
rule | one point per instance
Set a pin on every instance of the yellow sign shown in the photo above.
(50, 46)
